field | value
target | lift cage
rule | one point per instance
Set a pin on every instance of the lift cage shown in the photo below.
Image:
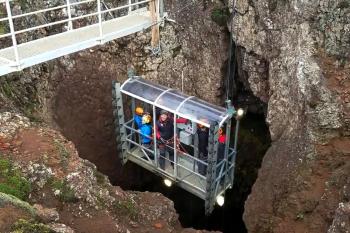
(207, 177)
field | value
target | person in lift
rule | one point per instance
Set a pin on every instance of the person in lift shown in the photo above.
(165, 136)
(146, 133)
(222, 141)
(138, 117)
(203, 137)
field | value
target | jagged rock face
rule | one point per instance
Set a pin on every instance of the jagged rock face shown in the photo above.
(294, 55)
(65, 188)
(195, 48)
(341, 222)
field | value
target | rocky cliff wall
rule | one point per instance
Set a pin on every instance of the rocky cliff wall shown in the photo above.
(294, 55)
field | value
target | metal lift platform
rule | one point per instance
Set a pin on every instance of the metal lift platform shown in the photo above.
(205, 176)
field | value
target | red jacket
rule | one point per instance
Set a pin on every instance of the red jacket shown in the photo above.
(222, 138)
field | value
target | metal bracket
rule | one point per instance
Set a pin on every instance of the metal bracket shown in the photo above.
(166, 18)
(154, 51)
(230, 109)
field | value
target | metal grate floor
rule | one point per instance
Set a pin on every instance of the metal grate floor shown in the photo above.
(189, 180)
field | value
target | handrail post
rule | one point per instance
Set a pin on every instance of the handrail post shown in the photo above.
(156, 158)
(157, 9)
(227, 147)
(160, 9)
(175, 147)
(129, 7)
(12, 30)
(155, 25)
(99, 19)
(70, 24)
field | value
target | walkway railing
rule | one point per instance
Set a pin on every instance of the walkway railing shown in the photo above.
(92, 12)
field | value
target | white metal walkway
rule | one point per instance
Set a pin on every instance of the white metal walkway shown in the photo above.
(73, 38)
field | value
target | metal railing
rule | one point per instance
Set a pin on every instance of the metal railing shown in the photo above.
(68, 21)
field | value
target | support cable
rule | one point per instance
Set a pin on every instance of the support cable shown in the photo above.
(231, 68)
(231, 65)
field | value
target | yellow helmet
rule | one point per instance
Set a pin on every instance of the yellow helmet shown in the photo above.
(146, 119)
(139, 111)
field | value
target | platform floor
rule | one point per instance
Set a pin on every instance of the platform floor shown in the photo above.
(184, 177)
(45, 49)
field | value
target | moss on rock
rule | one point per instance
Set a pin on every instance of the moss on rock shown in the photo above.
(24, 226)
(6, 199)
(11, 181)
(63, 191)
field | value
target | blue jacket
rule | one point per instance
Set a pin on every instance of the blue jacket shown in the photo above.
(138, 121)
(146, 133)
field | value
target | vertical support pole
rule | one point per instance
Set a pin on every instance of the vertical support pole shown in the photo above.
(99, 19)
(194, 127)
(211, 169)
(157, 9)
(118, 113)
(236, 135)
(12, 30)
(175, 147)
(155, 27)
(133, 106)
(70, 24)
(160, 8)
(136, 137)
(155, 136)
(227, 147)
(131, 74)
(233, 160)
(129, 7)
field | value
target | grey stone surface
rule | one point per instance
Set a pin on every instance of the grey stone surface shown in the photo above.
(294, 55)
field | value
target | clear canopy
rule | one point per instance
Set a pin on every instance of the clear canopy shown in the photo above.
(190, 107)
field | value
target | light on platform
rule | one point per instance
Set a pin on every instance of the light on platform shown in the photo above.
(220, 200)
(240, 112)
(168, 182)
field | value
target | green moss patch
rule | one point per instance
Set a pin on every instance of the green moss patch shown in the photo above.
(66, 194)
(2, 29)
(7, 199)
(126, 207)
(63, 152)
(11, 181)
(24, 226)
(220, 16)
